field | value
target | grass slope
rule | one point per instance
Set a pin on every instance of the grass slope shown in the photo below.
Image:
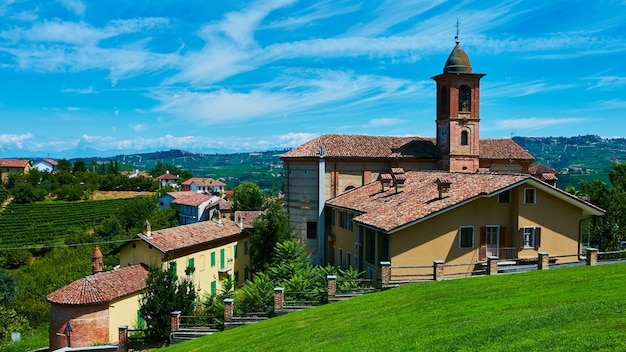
(568, 309)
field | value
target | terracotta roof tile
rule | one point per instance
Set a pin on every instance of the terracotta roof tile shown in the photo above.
(184, 236)
(200, 181)
(245, 218)
(102, 287)
(168, 177)
(195, 199)
(13, 163)
(538, 168)
(361, 146)
(389, 210)
(503, 149)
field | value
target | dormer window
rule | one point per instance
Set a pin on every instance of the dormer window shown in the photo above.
(464, 99)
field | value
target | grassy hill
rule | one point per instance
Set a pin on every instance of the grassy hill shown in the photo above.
(568, 309)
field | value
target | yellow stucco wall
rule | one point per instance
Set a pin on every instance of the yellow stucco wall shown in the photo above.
(123, 312)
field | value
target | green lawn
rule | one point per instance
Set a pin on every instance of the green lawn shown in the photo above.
(568, 309)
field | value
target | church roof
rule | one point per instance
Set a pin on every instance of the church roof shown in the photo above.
(377, 147)
(102, 287)
(363, 146)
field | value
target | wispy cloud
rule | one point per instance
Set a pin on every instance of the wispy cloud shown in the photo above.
(607, 82)
(529, 124)
(521, 89)
(75, 6)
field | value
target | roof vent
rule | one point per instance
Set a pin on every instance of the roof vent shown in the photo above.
(398, 178)
(147, 229)
(443, 186)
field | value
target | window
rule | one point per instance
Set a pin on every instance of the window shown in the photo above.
(222, 258)
(332, 216)
(370, 273)
(464, 138)
(529, 196)
(370, 245)
(348, 259)
(349, 221)
(141, 322)
(174, 267)
(466, 237)
(190, 266)
(530, 237)
(464, 99)
(356, 261)
(504, 197)
(340, 257)
(342, 216)
(245, 248)
(212, 259)
(311, 230)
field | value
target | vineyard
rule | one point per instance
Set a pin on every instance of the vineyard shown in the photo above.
(47, 223)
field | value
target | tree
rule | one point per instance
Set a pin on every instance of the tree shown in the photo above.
(64, 165)
(8, 287)
(79, 166)
(247, 196)
(270, 228)
(164, 294)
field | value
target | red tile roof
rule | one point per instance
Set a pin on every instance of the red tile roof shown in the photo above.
(50, 161)
(245, 218)
(184, 236)
(200, 181)
(102, 287)
(537, 169)
(194, 199)
(503, 149)
(389, 210)
(168, 177)
(360, 146)
(13, 163)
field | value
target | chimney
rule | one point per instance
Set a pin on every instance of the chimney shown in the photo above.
(96, 261)
(398, 178)
(443, 185)
(385, 181)
(147, 229)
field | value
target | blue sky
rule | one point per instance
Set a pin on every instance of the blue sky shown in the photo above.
(101, 78)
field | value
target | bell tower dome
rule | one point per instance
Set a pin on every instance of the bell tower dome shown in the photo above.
(458, 117)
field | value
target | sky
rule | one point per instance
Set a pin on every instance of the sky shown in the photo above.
(103, 78)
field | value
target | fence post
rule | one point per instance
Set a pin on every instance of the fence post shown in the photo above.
(592, 256)
(332, 285)
(175, 320)
(279, 298)
(544, 261)
(228, 308)
(438, 270)
(122, 336)
(492, 265)
(385, 272)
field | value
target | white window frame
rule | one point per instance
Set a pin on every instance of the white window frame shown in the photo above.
(461, 236)
(529, 233)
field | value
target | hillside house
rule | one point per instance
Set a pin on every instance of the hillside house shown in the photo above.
(45, 165)
(168, 179)
(96, 305)
(203, 185)
(13, 165)
(196, 207)
(208, 251)
(330, 165)
(416, 217)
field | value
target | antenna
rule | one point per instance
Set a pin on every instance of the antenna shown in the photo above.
(456, 37)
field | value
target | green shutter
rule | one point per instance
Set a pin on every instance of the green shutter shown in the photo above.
(190, 263)
(212, 258)
(222, 259)
(213, 287)
(245, 248)
(235, 251)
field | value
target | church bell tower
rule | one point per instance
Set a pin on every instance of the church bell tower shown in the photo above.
(458, 117)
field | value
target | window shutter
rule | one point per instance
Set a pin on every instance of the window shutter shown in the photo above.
(521, 238)
(537, 237)
(502, 242)
(483, 243)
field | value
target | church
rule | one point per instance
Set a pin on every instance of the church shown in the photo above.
(333, 164)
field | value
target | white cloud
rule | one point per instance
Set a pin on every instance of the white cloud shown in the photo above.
(76, 6)
(18, 140)
(607, 82)
(531, 123)
(139, 127)
(384, 122)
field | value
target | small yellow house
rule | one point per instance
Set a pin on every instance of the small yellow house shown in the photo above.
(207, 251)
(413, 218)
(13, 165)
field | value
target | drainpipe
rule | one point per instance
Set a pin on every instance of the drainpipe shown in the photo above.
(321, 201)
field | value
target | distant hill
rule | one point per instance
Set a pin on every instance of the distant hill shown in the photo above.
(577, 158)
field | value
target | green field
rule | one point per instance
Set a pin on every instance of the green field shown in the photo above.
(567, 309)
(48, 223)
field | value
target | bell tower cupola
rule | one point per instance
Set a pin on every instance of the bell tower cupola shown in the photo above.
(458, 117)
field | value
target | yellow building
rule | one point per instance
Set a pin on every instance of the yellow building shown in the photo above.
(207, 252)
(413, 218)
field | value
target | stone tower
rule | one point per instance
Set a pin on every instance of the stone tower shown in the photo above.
(458, 116)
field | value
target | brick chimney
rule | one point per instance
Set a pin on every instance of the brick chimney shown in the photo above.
(96, 261)
(443, 186)
(385, 181)
(399, 178)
